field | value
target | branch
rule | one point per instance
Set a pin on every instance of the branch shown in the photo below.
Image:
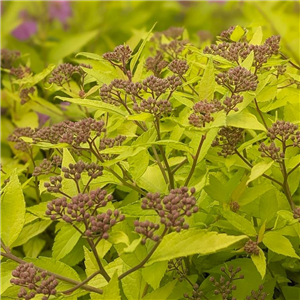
(259, 111)
(70, 291)
(101, 268)
(195, 159)
(250, 165)
(295, 168)
(141, 264)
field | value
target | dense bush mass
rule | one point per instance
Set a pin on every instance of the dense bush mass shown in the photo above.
(159, 171)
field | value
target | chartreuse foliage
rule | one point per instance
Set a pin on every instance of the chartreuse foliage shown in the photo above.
(165, 171)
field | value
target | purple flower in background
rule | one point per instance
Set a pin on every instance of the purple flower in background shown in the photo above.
(26, 29)
(64, 105)
(42, 118)
(60, 10)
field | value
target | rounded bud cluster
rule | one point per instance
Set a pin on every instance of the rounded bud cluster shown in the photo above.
(251, 248)
(72, 133)
(230, 51)
(147, 229)
(224, 286)
(8, 57)
(296, 213)
(20, 72)
(230, 103)
(64, 72)
(111, 142)
(234, 206)
(179, 66)
(238, 80)
(235, 51)
(75, 170)
(172, 208)
(33, 282)
(173, 32)
(271, 151)
(81, 207)
(46, 166)
(227, 33)
(257, 295)
(174, 82)
(174, 48)
(228, 138)
(99, 225)
(284, 131)
(153, 106)
(54, 185)
(111, 93)
(202, 112)
(120, 54)
(155, 85)
(19, 132)
(156, 64)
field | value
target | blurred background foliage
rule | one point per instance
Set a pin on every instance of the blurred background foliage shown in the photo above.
(47, 32)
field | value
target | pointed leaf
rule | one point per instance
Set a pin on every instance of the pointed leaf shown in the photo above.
(260, 263)
(259, 169)
(257, 37)
(244, 119)
(279, 244)
(12, 210)
(239, 222)
(154, 273)
(163, 293)
(208, 83)
(199, 241)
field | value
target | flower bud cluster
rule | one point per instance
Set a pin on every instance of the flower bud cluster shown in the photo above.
(20, 72)
(174, 48)
(233, 51)
(197, 294)
(153, 106)
(230, 51)
(8, 57)
(172, 208)
(230, 103)
(72, 133)
(120, 54)
(46, 166)
(16, 137)
(111, 93)
(234, 206)
(281, 69)
(224, 286)
(111, 142)
(296, 213)
(238, 80)
(228, 138)
(227, 33)
(24, 94)
(156, 64)
(64, 72)
(147, 229)
(33, 282)
(259, 295)
(271, 151)
(179, 66)
(75, 170)
(203, 111)
(158, 86)
(284, 131)
(54, 185)
(251, 248)
(83, 208)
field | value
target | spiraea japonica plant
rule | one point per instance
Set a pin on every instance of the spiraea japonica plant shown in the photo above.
(165, 171)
